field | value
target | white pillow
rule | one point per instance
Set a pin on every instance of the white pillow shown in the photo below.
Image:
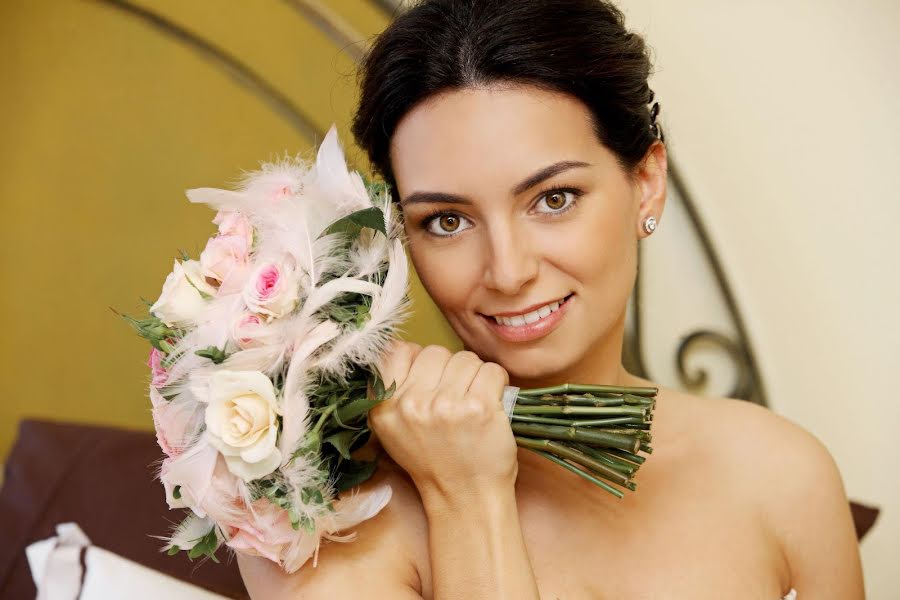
(56, 569)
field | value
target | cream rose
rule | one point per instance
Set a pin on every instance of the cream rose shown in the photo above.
(182, 298)
(241, 422)
(272, 291)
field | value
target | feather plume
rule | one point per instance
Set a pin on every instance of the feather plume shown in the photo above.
(280, 213)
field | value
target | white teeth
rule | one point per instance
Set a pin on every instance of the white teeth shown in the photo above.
(531, 317)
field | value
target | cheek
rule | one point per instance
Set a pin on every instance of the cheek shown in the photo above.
(595, 246)
(449, 274)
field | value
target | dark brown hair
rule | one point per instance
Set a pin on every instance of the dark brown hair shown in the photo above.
(578, 47)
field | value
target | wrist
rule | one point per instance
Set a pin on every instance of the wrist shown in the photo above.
(438, 500)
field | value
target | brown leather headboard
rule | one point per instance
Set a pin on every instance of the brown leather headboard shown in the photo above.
(101, 478)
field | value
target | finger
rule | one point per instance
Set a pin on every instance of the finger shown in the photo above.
(394, 363)
(488, 384)
(428, 367)
(459, 373)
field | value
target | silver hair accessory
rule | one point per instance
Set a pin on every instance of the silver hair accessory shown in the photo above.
(650, 224)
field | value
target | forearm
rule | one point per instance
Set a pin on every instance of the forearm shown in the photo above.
(477, 548)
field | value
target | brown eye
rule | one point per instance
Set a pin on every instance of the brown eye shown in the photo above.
(556, 200)
(448, 222)
(444, 224)
(559, 200)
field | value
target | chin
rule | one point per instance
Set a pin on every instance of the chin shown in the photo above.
(534, 363)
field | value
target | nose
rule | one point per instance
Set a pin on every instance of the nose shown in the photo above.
(512, 260)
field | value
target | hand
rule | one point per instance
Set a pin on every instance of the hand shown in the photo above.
(444, 423)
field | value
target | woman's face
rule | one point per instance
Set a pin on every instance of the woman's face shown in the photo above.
(511, 203)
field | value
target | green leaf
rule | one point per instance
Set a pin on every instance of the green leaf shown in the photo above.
(371, 217)
(212, 353)
(206, 546)
(173, 551)
(378, 386)
(342, 441)
(353, 472)
(362, 315)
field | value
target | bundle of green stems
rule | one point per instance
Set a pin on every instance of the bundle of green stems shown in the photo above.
(595, 431)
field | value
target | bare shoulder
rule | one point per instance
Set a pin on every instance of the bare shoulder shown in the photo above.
(377, 563)
(783, 458)
(794, 483)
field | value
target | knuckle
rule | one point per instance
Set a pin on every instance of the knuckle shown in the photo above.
(436, 350)
(468, 355)
(496, 372)
(411, 412)
(475, 405)
(445, 409)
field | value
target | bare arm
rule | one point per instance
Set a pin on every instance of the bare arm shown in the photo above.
(377, 564)
(805, 503)
(445, 427)
(816, 524)
(476, 547)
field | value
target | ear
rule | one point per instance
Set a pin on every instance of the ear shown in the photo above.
(650, 179)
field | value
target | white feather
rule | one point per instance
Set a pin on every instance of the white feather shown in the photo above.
(189, 532)
(289, 203)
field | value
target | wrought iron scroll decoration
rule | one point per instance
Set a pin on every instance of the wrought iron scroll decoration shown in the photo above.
(749, 383)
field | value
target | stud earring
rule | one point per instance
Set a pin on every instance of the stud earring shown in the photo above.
(650, 224)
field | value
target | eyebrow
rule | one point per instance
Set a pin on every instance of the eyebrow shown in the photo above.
(528, 183)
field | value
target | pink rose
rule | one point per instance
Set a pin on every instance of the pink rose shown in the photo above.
(233, 223)
(247, 330)
(159, 374)
(265, 532)
(177, 422)
(272, 291)
(222, 255)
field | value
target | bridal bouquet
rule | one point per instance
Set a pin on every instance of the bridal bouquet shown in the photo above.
(262, 368)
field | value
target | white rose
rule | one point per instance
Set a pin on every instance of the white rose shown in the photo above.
(181, 300)
(241, 422)
(272, 291)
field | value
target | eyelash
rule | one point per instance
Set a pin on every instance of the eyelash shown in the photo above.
(577, 193)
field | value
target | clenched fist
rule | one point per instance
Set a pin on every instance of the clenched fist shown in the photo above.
(444, 424)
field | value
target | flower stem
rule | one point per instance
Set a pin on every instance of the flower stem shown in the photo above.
(580, 472)
(618, 411)
(589, 436)
(566, 388)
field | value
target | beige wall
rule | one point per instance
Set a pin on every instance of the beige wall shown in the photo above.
(783, 118)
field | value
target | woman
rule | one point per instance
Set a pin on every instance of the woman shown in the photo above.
(519, 143)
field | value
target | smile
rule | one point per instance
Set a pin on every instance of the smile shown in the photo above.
(531, 325)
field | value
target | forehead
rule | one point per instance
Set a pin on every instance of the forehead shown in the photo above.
(484, 135)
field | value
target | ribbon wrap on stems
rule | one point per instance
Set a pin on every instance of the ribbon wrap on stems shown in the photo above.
(510, 395)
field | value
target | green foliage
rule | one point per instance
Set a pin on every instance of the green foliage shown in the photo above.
(353, 473)
(206, 546)
(213, 353)
(153, 330)
(352, 224)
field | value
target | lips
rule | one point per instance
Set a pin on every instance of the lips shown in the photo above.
(529, 331)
